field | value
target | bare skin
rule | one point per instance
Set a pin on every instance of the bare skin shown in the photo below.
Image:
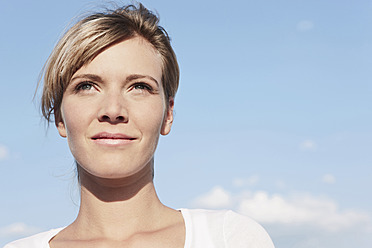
(127, 215)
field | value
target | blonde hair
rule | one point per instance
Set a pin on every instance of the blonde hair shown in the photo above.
(88, 37)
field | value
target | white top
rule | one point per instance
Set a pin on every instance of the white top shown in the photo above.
(204, 229)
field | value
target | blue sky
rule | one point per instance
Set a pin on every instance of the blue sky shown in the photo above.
(273, 117)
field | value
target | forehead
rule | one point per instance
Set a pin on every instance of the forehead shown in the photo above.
(133, 56)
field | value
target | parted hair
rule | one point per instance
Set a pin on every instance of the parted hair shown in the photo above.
(90, 36)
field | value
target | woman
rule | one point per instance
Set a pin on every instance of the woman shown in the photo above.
(110, 84)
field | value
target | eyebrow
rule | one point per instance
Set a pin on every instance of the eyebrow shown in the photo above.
(92, 77)
(139, 76)
(97, 78)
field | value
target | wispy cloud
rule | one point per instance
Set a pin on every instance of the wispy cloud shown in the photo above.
(329, 179)
(308, 145)
(294, 210)
(249, 181)
(18, 230)
(280, 184)
(216, 198)
(4, 152)
(302, 209)
(305, 25)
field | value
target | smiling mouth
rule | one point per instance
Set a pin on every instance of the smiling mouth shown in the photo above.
(112, 139)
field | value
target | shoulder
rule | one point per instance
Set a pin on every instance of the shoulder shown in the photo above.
(241, 230)
(40, 240)
(227, 228)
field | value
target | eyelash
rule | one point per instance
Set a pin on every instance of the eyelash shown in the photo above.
(144, 85)
(80, 86)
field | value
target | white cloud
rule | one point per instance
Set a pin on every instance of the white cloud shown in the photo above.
(329, 179)
(308, 145)
(294, 210)
(4, 152)
(301, 209)
(250, 181)
(216, 198)
(305, 25)
(18, 229)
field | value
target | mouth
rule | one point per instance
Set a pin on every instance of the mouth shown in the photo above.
(112, 139)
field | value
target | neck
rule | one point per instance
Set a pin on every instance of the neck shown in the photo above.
(118, 208)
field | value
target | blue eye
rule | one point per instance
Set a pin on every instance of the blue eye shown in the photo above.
(84, 86)
(142, 86)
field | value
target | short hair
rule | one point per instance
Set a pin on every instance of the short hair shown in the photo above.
(90, 36)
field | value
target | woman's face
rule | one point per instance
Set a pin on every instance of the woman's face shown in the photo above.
(114, 109)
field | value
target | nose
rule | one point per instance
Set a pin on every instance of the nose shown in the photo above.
(113, 109)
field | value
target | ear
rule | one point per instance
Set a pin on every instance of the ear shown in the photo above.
(60, 124)
(168, 118)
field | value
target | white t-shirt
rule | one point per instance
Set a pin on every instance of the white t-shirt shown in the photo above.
(204, 229)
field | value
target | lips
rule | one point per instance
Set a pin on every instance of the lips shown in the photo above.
(112, 139)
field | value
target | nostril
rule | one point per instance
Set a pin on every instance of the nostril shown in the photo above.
(105, 118)
(120, 118)
(117, 119)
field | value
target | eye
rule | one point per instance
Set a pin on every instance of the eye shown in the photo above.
(142, 86)
(84, 86)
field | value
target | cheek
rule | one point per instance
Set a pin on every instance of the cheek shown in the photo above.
(75, 120)
(150, 117)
